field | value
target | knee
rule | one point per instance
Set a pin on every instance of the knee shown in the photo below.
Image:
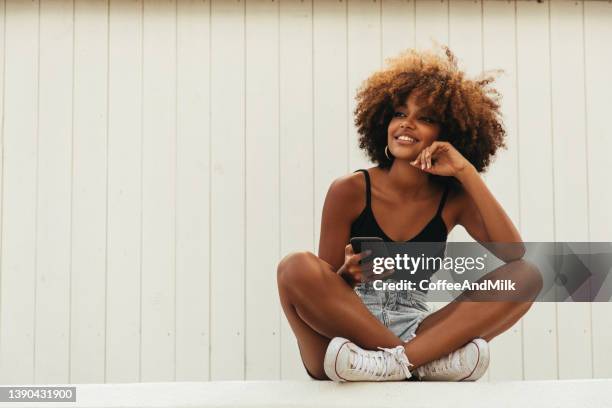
(528, 279)
(297, 270)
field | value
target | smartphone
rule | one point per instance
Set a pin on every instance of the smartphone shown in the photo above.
(357, 243)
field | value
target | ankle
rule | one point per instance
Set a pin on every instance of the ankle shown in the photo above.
(413, 357)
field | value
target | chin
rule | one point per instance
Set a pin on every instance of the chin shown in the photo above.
(406, 153)
(406, 157)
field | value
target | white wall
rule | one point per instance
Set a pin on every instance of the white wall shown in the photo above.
(158, 159)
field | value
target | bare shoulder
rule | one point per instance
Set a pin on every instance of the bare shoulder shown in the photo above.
(348, 192)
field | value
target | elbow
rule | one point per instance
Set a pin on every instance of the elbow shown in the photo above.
(513, 252)
(510, 251)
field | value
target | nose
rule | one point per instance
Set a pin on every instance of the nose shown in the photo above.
(405, 124)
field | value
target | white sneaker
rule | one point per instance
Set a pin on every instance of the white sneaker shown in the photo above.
(468, 363)
(345, 361)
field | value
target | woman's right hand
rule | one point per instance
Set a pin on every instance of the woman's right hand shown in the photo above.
(351, 271)
(354, 273)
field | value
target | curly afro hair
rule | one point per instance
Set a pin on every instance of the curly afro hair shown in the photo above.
(466, 109)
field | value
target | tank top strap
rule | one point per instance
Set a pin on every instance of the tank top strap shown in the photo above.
(368, 188)
(442, 200)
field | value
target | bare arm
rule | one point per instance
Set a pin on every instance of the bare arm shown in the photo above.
(340, 208)
(485, 219)
(480, 213)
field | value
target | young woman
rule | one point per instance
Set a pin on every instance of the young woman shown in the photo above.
(431, 131)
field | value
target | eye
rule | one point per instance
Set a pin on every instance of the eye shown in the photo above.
(428, 119)
(396, 114)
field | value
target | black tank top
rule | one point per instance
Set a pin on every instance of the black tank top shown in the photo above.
(366, 226)
(435, 231)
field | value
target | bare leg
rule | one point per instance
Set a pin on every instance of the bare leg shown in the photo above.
(461, 321)
(508, 321)
(320, 305)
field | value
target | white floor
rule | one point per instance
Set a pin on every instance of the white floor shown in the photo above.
(295, 394)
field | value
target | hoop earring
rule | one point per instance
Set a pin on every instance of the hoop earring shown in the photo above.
(387, 152)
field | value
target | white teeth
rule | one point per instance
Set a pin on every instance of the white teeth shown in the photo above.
(407, 138)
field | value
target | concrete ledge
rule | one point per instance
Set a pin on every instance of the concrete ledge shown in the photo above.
(321, 394)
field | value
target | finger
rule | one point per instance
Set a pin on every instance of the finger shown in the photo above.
(439, 143)
(439, 147)
(424, 159)
(434, 151)
(357, 257)
(420, 159)
(365, 256)
(417, 161)
(365, 253)
(427, 157)
(435, 148)
(424, 163)
(348, 250)
(355, 273)
(353, 270)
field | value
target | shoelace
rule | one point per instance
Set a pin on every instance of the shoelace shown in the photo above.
(449, 362)
(374, 362)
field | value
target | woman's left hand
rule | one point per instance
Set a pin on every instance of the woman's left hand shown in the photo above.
(441, 159)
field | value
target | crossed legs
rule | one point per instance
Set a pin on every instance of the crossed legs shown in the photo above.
(319, 306)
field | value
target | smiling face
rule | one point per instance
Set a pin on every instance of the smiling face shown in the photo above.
(411, 129)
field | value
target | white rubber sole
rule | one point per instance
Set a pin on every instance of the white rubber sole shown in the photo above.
(331, 356)
(483, 360)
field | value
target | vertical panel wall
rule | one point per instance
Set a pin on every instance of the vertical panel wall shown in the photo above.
(296, 150)
(499, 52)
(124, 194)
(19, 192)
(192, 190)
(53, 196)
(227, 190)
(159, 157)
(597, 85)
(262, 190)
(89, 274)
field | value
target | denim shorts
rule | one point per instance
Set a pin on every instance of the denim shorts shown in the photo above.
(400, 310)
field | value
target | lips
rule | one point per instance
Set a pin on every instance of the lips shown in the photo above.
(406, 139)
